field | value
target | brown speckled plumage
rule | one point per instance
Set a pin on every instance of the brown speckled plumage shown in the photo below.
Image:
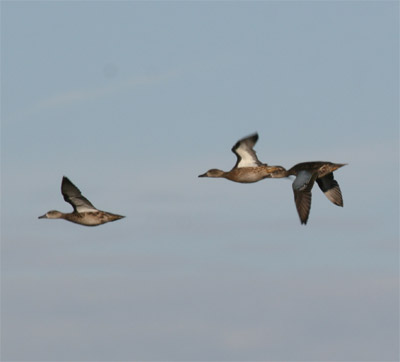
(84, 212)
(248, 168)
(306, 174)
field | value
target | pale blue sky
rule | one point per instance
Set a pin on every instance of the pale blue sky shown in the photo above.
(133, 100)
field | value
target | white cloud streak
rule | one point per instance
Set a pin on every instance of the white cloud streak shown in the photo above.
(71, 97)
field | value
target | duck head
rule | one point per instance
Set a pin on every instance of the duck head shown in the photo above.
(52, 214)
(213, 173)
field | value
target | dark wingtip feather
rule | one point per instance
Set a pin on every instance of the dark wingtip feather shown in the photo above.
(253, 136)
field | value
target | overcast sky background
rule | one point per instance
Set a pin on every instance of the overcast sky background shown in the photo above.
(132, 101)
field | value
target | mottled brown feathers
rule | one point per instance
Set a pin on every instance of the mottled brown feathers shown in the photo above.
(84, 212)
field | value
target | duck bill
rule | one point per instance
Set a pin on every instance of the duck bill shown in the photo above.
(203, 175)
(275, 168)
(277, 172)
(43, 217)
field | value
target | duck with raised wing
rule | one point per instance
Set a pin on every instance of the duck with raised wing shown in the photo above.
(84, 212)
(248, 168)
(306, 174)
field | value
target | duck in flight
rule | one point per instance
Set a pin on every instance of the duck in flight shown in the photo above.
(248, 168)
(84, 212)
(306, 174)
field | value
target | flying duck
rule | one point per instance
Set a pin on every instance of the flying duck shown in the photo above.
(306, 174)
(84, 212)
(248, 168)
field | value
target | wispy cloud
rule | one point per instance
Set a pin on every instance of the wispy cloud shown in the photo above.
(73, 96)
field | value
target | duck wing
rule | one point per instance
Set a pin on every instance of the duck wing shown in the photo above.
(302, 186)
(73, 196)
(331, 189)
(246, 156)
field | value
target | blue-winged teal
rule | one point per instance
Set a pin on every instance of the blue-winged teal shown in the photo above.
(247, 168)
(84, 212)
(306, 174)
